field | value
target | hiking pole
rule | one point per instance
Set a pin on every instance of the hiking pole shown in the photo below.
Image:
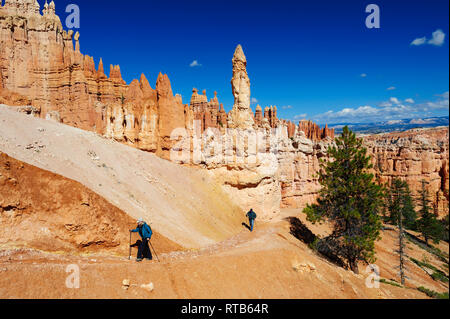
(154, 250)
(129, 254)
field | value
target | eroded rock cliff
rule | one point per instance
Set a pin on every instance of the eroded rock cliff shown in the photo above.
(413, 156)
(264, 162)
(39, 61)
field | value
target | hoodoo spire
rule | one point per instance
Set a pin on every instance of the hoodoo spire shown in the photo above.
(239, 56)
(241, 115)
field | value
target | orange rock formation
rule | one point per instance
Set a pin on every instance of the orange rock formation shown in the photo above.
(314, 132)
(41, 66)
(414, 156)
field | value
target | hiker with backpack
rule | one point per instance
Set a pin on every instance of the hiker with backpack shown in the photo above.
(251, 218)
(146, 233)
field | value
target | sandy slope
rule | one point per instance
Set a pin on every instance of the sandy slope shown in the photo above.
(181, 203)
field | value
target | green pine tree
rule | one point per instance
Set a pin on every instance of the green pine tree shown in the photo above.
(445, 226)
(400, 203)
(409, 210)
(350, 200)
(402, 214)
(428, 224)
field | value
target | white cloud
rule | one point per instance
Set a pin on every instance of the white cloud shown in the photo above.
(364, 114)
(300, 116)
(438, 38)
(386, 111)
(363, 75)
(391, 88)
(254, 100)
(438, 105)
(286, 107)
(419, 41)
(444, 95)
(394, 100)
(194, 64)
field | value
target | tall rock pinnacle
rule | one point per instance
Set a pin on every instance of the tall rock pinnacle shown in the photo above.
(241, 115)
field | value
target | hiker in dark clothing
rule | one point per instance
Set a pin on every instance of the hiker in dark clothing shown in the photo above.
(251, 218)
(146, 233)
(146, 252)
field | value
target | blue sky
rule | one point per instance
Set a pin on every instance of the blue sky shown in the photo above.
(313, 59)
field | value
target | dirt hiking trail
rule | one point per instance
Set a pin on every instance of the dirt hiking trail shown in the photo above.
(268, 263)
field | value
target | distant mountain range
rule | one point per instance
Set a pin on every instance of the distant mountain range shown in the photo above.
(393, 125)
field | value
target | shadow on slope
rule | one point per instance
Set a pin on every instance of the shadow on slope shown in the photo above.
(323, 246)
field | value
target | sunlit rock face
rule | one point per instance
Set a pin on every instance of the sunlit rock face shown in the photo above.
(41, 61)
(171, 115)
(38, 60)
(209, 114)
(314, 132)
(413, 156)
(241, 116)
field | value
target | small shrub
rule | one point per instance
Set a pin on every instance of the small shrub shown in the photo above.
(442, 256)
(433, 294)
(437, 273)
(389, 282)
(439, 276)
